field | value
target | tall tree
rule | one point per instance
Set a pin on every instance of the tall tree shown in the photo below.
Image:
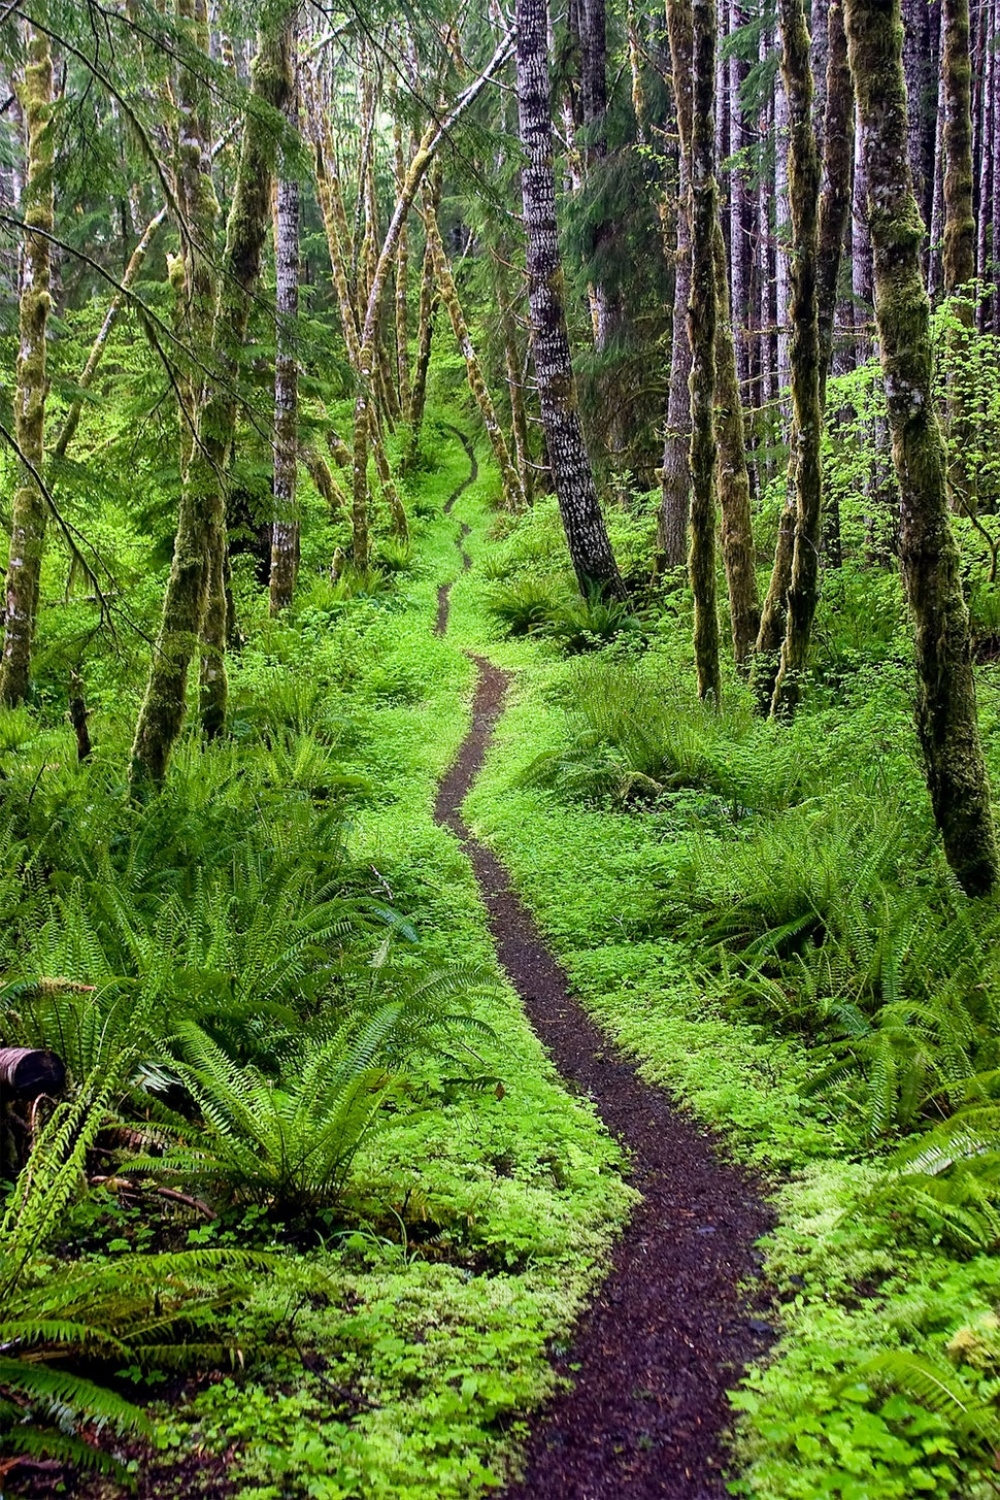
(587, 537)
(28, 516)
(194, 604)
(804, 353)
(946, 705)
(285, 526)
(702, 317)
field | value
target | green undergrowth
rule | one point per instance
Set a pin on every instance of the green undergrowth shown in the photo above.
(402, 1330)
(758, 915)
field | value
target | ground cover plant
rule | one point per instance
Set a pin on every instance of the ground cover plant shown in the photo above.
(499, 505)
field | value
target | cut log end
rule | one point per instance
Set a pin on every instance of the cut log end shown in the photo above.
(29, 1072)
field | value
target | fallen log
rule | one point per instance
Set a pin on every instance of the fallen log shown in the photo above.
(29, 1072)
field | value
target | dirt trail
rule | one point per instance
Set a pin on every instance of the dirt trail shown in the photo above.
(670, 1329)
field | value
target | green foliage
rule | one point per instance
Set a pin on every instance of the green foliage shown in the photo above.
(525, 605)
(142, 1308)
(288, 1143)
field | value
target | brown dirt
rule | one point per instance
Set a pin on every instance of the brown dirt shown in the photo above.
(670, 1329)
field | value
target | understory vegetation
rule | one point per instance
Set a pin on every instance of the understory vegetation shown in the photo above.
(759, 912)
(326, 1157)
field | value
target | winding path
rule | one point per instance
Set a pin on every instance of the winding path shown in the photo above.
(669, 1330)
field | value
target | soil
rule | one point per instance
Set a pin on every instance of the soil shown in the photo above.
(672, 1326)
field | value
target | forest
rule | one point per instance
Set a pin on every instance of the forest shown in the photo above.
(499, 706)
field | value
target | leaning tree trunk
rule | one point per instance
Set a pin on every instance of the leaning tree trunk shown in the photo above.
(513, 495)
(946, 705)
(196, 587)
(586, 535)
(28, 513)
(285, 528)
(804, 355)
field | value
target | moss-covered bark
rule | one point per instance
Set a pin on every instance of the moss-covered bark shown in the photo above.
(675, 492)
(702, 317)
(835, 195)
(804, 354)
(28, 511)
(513, 494)
(946, 702)
(284, 448)
(958, 257)
(733, 477)
(194, 606)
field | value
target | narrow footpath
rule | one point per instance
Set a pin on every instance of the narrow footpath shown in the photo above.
(671, 1327)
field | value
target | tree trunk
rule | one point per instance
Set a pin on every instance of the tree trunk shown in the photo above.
(946, 707)
(675, 499)
(804, 353)
(28, 512)
(196, 587)
(959, 250)
(733, 478)
(429, 299)
(702, 314)
(589, 548)
(835, 199)
(285, 529)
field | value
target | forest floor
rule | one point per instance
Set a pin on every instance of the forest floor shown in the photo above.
(670, 1329)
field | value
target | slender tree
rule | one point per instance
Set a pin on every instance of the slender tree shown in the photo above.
(28, 516)
(675, 500)
(285, 527)
(946, 706)
(195, 602)
(586, 535)
(702, 317)
(804, 353)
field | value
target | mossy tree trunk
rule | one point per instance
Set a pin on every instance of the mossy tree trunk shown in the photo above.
(675, 494)
(702, 317)
(958, 255)
(513, 494)
(733, 477)
(285, 526)
(834, 219)
(946, 703)
(194, 607)
(804, 355)
(572, 475)
(835, 195)
(28, 512)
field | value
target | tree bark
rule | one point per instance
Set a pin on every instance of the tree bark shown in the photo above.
(835, 198)
(804, 353)
(702, 317)
(675, 497)
(946, 706)
(586, 535)
(28, 512)
(958, 256)
(733, 478)
(285, 528)
(195, 603)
